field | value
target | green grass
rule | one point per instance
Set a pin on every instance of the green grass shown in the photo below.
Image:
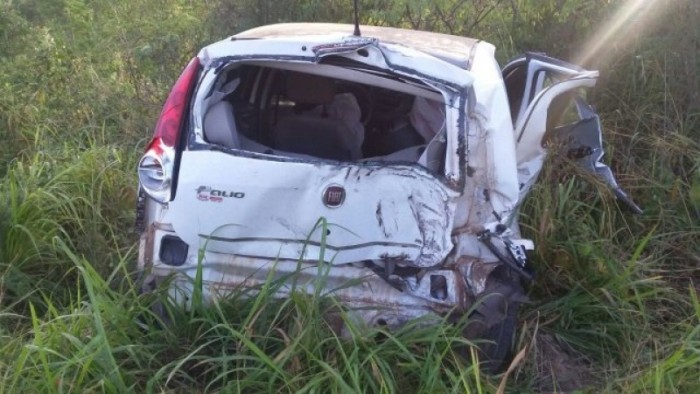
(108, 338)
(614, 307)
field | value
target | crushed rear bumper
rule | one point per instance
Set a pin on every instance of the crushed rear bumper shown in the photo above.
(373, 295)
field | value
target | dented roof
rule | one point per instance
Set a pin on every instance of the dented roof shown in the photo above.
(452, 49)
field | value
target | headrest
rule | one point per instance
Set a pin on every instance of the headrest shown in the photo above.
(309, 89)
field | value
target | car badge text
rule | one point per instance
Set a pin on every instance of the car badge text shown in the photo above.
(207, 193)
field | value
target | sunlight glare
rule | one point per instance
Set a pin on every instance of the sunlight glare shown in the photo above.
(632, 20)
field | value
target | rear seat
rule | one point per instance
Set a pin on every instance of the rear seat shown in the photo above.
(220, 128)
(320, 123)
(331, 129)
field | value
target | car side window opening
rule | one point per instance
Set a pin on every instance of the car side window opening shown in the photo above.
(295, 114)
(515, 81)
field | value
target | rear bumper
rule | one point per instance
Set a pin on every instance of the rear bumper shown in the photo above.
(373, 295)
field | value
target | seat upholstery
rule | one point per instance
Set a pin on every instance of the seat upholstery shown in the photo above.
(309, 89)
(319, 137)
(220, 125)
(310, 133)
(313, 132)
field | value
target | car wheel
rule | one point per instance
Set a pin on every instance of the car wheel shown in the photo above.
(493, 324)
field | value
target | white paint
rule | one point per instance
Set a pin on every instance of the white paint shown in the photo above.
(394, 212)
(267, 206)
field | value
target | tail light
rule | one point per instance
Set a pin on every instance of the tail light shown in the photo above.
(157, 164)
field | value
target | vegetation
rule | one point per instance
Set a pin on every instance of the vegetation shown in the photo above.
(615, 306)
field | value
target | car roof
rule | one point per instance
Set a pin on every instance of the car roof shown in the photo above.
(452, 49)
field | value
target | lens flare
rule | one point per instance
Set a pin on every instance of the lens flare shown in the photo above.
(633, 19)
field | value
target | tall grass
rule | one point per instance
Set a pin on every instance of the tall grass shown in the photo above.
(108, 338)
(614, 307)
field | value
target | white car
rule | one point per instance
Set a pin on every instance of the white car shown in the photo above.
(391, 163)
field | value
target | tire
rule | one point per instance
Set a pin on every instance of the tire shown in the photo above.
(493, 324)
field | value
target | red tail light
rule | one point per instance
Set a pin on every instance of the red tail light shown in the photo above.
(170, 121)
(156, 166)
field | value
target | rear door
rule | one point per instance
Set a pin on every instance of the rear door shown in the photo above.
(539, 89)
(527, 76)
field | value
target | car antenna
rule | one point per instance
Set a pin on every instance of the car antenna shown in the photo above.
(357, 21)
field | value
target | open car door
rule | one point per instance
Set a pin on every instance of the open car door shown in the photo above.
(540, 90)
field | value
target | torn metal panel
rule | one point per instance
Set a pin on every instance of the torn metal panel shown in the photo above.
(584, 142)
(475, 273)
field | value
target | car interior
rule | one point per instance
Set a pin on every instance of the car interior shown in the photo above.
(275, 109)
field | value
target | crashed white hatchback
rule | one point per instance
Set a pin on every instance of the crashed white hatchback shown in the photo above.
(396, 160)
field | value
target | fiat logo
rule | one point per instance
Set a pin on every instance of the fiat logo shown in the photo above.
(334, 196)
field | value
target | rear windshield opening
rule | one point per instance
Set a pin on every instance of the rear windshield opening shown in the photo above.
(360, 115)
